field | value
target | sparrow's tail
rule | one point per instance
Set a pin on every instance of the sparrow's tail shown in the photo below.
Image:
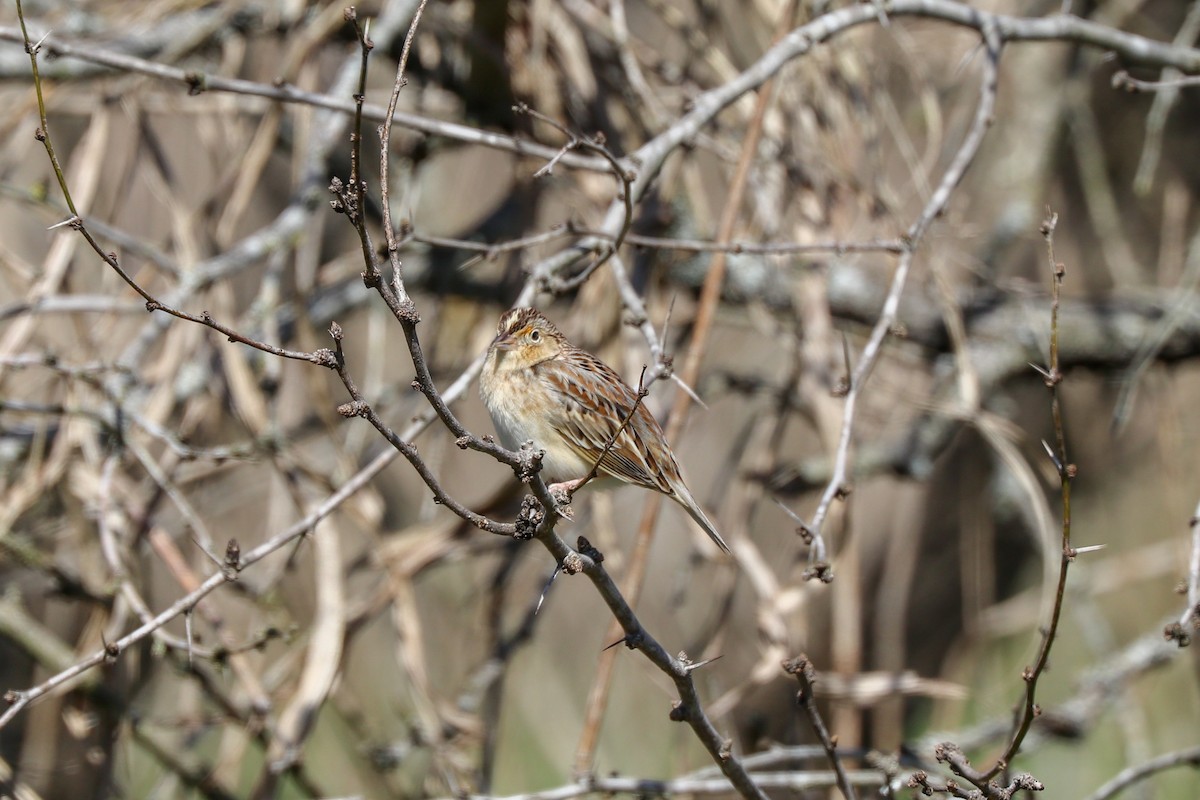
(685, 499)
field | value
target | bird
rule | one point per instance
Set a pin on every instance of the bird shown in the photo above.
(538, 386)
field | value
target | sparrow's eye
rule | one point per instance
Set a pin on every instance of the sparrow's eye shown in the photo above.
(535, 336)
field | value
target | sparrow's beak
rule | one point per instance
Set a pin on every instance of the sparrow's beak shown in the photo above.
(504, 341)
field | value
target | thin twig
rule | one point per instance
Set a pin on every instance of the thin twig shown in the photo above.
(75, 222)
(625, 176)
(1123, 80)
(1131, 775)
(197, 82)
(385, 157)
(838, 483)
(1029, 710)
(1066, 473)
(801, 667)
(1191, 615)
(641, 393)
(358, 407)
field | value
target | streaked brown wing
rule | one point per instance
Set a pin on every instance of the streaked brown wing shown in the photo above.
(591, 402)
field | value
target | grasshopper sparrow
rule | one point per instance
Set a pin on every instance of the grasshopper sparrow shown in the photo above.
(537, 385)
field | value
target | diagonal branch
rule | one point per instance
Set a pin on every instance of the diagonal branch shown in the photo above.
(838, 483)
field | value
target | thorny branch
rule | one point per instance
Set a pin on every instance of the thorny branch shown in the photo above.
(1029, 710)
(585, 559)
(1066, 474)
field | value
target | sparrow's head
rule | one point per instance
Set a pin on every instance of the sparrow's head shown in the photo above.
(524, 338)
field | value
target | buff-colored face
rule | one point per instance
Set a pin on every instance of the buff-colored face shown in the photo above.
(524, 338)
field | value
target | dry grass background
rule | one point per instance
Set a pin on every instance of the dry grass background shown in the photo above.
(129, 440)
